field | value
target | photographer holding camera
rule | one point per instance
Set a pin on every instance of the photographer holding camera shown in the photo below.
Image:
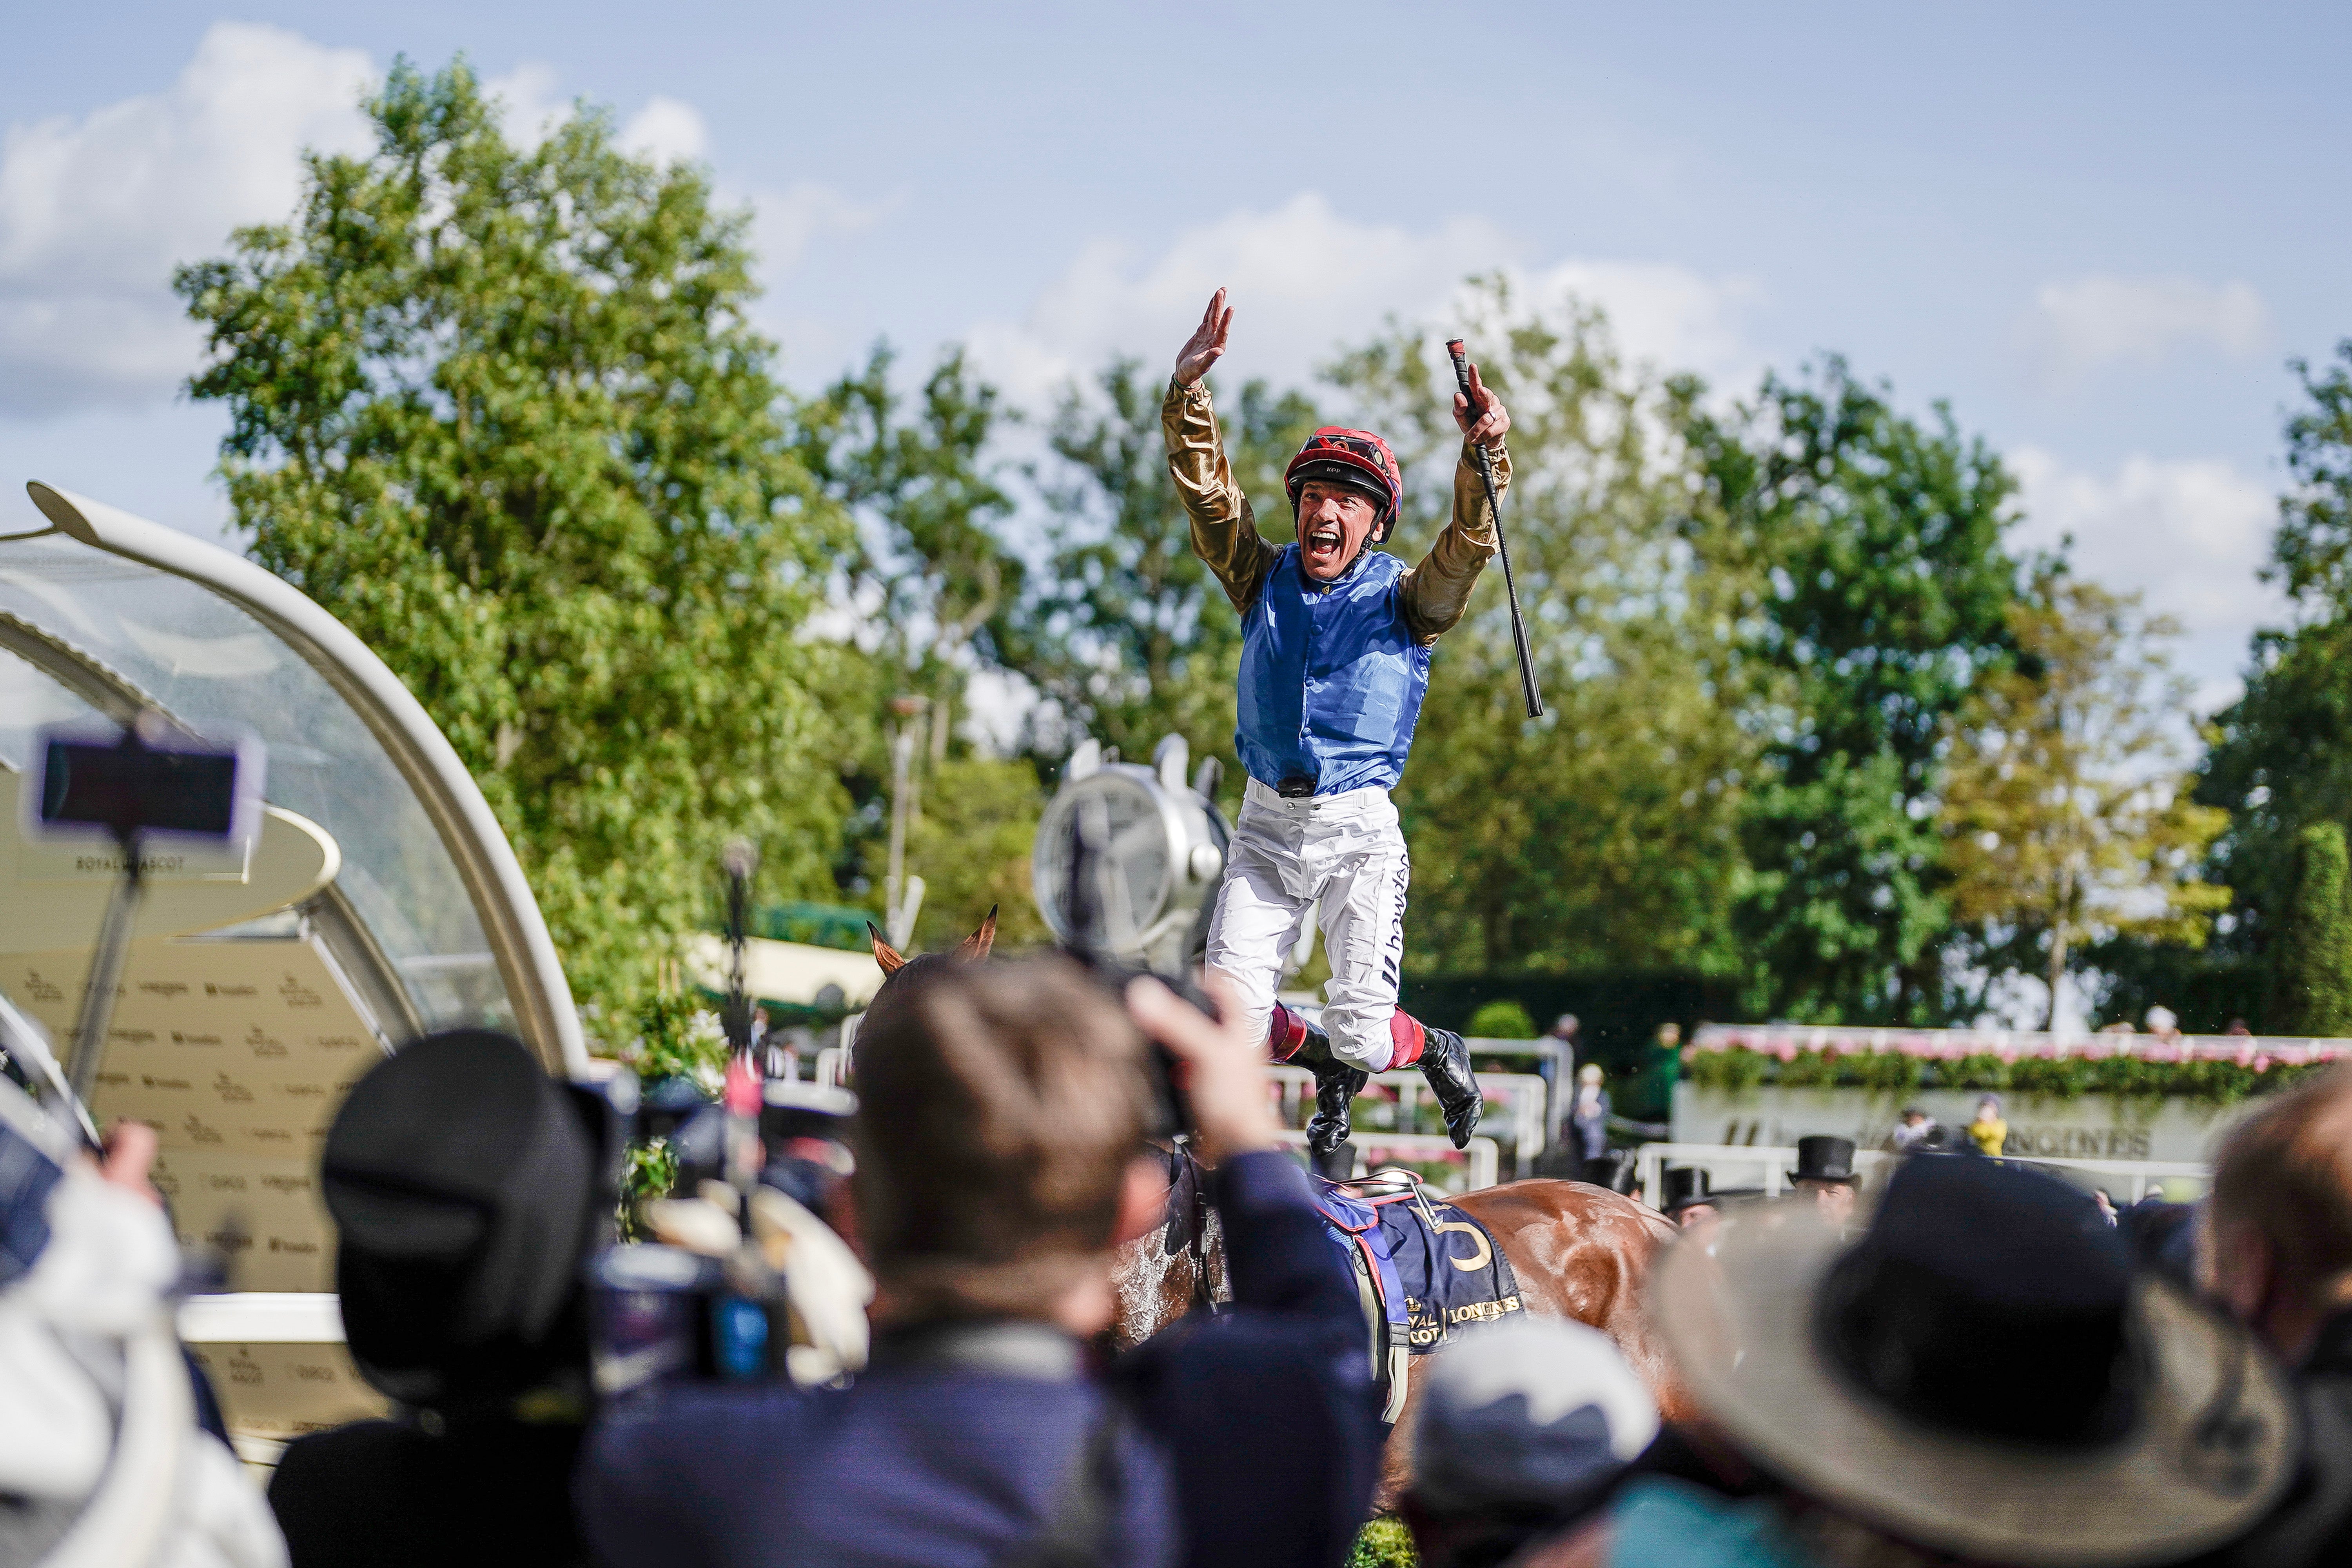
(1000, 1162)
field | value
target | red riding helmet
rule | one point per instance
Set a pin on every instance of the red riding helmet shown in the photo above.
(1357, 460)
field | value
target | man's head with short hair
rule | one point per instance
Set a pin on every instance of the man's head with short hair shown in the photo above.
(1000, 1107)
(2277, 1243)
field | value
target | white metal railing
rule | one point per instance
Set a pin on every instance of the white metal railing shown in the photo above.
(1481, 1157)
(1651, 1159)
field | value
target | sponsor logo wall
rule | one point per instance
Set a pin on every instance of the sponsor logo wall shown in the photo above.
(237, 1053)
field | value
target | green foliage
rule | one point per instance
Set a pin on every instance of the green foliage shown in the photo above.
(501, 411)
(971, 850)
(1604, 836)
(2312, 551)
(2313, 975)
(1384, 1542)
(932, 575)
(2062, 1078)
(1130, 637)
(1502, 1019)
(2281, 757)
(675, 1037)
(1881, 539)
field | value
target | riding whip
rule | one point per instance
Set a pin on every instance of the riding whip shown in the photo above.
(1495, 505)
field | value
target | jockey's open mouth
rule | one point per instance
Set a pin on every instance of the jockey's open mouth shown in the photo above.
(1327, 543)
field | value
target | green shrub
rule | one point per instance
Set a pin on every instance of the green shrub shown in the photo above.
(1385, 1543)
(1502, 1019)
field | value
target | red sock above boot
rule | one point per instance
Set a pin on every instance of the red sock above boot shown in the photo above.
(1405, 1039)
(1284, 1033)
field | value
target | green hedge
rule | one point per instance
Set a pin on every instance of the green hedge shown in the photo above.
(2062, 1077)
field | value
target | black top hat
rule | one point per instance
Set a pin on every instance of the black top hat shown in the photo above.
(1685, 1185)
(1822, 1158)
(1981, 1374)
(468, 1188)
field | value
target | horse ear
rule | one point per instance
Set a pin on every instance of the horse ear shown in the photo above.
(884, 953)
(977, 944)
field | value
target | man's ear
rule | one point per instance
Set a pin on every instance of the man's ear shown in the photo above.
(1142, 1200)
(884, 953)
(2236, 1266)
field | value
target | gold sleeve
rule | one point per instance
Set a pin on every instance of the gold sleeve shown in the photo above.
(1224, 530)
(1437, 594)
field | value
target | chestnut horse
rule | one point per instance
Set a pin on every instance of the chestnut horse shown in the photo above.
(1578, 1251)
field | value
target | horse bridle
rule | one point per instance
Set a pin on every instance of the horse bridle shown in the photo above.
(1182, 1164)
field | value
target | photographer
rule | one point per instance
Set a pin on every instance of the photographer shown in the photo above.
(999, 1160)
(469, 1189)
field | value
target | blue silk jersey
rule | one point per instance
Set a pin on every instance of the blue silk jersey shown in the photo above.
(1331, 680)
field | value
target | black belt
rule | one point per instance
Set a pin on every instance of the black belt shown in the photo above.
(1297, 786)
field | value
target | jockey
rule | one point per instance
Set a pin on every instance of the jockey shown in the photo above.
(1335, 661)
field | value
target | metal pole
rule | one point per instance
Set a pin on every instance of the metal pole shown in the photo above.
(902, 757)
(106, 962)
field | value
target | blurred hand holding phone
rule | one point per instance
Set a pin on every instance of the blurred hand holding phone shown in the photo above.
(128, 787)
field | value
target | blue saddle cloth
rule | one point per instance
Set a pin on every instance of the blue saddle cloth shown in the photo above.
(1437, 1269)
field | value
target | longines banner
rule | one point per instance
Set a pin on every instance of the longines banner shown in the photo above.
(2090, 1127)
(237, 1053)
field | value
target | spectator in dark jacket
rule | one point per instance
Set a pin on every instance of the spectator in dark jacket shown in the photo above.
(2277, 1247)
(468, 1188)
(1002, 1118)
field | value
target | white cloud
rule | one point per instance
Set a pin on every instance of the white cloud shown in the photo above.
(530, 104)
(95, 211)
(2189, 534)
(667, 131)
(1305, 280)
(785, 223)
(2078, 326)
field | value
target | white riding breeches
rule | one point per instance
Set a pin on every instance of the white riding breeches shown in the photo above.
(1343, 856)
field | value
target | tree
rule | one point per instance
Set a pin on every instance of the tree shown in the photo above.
(2066, 817)
(935, 577)
(2281, 758)
(1604, 836)
(971, 848)
(501, 411)
(2312, 983)
(1881, 539)
(1130, 637)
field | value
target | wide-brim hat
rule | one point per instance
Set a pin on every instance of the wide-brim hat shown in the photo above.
(2210, 1446)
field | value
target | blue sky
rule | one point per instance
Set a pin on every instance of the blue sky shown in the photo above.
(2099, 233)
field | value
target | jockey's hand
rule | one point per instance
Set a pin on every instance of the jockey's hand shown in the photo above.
(1207, 342)
(1224, 1067)
(1493, 421)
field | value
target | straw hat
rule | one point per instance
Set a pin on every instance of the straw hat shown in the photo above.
(1980, 1373)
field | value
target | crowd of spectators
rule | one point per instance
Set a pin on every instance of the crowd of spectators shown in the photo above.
(1946, 1358)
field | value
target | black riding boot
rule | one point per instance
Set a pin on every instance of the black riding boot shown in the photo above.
(1336, 1087)
(1446, 1063)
